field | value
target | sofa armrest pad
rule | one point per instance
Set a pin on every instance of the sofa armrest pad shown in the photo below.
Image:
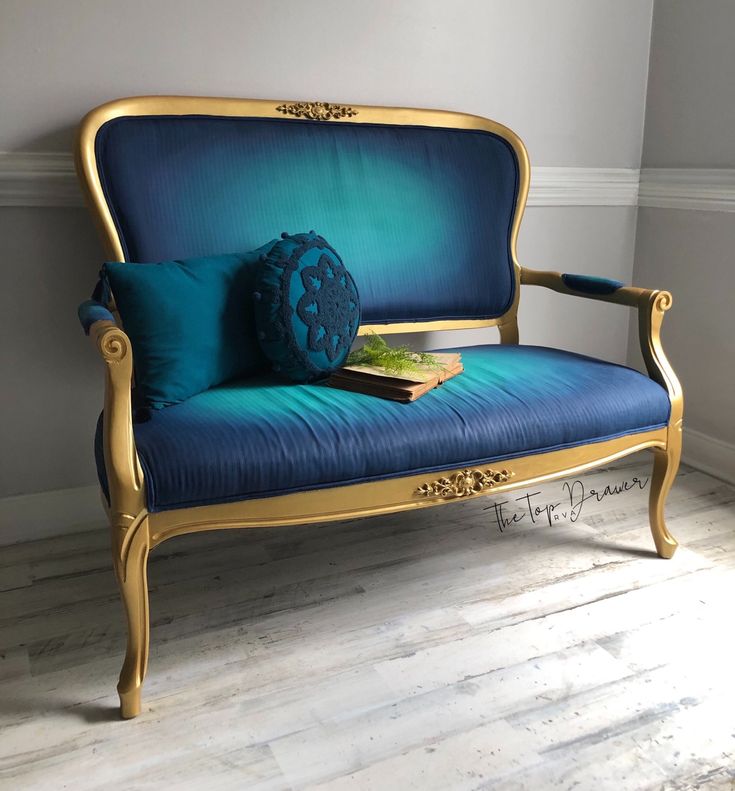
(91, 311)
(588, 284)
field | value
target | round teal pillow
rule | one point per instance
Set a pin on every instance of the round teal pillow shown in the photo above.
(307, 309)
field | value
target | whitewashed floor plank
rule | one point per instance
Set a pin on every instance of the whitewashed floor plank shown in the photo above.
(426, 650)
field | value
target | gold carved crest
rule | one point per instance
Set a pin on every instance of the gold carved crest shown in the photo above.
(317, 111)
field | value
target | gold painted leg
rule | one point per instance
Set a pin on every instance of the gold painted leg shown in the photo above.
(665, 466)
(129, 702)
(131, 557)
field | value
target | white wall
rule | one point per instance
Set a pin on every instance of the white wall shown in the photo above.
(690, 118)
(568, 76)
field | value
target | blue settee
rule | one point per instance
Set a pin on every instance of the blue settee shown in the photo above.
(425, 207)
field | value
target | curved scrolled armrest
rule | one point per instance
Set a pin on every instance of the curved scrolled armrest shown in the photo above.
(124, 473)
(91, 311)
(651, 305)
(589, 287)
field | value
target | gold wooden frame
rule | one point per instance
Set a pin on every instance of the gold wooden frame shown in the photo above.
(135, 531)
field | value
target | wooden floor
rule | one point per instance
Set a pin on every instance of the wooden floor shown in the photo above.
(419, 651)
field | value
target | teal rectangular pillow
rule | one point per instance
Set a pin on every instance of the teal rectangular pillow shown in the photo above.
(190, 322)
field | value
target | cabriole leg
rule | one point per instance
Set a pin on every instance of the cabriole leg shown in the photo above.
(665, 466)
(130, 551)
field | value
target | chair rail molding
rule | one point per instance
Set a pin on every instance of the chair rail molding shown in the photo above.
(38, 179)
(697, 189)
(562, 186)
(48, 179)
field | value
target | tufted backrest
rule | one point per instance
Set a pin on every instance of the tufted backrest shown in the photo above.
(422, 206)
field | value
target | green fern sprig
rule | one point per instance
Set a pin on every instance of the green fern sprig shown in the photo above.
(396, 360)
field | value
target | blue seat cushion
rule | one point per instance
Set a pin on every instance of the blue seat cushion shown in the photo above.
(261, 436)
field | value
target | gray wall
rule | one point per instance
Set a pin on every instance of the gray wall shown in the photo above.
(690, 123)
(690, 253)
(568, 76)
(690, 109)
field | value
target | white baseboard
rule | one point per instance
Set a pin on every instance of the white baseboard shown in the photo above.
(709, 454)
(28, 517)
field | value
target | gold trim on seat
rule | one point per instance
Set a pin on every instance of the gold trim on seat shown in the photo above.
(135, 532)
(388, 496)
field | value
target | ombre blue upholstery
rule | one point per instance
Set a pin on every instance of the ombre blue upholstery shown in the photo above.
(420, 215)
(262, 437)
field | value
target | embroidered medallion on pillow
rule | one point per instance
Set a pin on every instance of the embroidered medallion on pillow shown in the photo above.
(189, 322)
(307, 308)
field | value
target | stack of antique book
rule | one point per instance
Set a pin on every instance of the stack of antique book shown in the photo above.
(407, 386)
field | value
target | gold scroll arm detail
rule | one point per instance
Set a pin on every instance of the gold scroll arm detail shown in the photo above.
(122, 466)
(651, 305)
